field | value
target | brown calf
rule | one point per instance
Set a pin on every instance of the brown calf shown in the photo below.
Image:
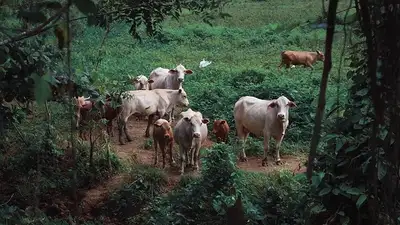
(300, 58)
(84, 114)
(221, 130)
(162, 135)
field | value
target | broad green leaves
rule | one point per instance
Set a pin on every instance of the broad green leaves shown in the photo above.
(361, 200)
(42, 89)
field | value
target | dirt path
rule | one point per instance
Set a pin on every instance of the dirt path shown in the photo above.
(135, 151)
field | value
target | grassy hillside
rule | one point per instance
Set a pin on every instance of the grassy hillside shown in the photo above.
(244, 50)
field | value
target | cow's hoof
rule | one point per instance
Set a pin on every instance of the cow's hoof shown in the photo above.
(129, 139)
(181, 173)
(264, 163)
(147, 135)
(196, 168)
(243, 159)
(278, 162)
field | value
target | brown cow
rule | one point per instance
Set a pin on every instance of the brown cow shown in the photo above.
(221, 130)
(162, 135)
(84, 114)
(307, 59)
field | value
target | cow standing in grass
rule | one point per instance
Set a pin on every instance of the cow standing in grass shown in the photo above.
(169, 79)
(307, 59)
(163, 137)
(150, 103)
(262, 118)
(221, 130)
(84, 113)
(190, 133)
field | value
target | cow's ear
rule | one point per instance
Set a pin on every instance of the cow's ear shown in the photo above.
(151, 81)
(223, 122)
(173, 71)
(186, 119)
(272, 105)
(188, 71)
(205, 121)
(319, 53)
(292, 104)
(180, 91)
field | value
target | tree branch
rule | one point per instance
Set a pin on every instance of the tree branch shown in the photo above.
(324, 81)
(36, 30)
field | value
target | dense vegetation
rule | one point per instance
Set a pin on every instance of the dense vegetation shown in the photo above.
(45, 170)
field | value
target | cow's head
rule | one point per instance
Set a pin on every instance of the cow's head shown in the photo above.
(281, 106)
(179, 73)
(166, 128)
(218, 125)
(82, 105)
(195, 121)
(320, 56)
(181, 98)
(141, 82)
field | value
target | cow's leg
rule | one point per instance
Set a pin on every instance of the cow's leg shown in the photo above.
(122, 127)
(155, 153)
(266, 147)
(183, 153)
(162, 147)
(196, 157)
(277, 147)
(171, 115)
(149, 122)
(171, 161)
(188, 155)
(242, 135)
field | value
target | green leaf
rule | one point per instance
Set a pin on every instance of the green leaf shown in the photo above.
(85, 6)
(382, 170)
(33, 17)
(361, 200)
(42, 89)
(353, 191)
(364, 166)
(362, 92)
(316, 179)
(339, 143)
(318, 208)
(325, 191)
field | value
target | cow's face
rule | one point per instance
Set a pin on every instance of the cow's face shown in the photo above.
(141, 82)
(320, 56)
(195, 121)
(281, 106)
(218, 126)
(179, 73)
(166, 128)
(182, 98)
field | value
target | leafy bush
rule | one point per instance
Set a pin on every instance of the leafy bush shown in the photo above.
(37, 162)
(145, 184)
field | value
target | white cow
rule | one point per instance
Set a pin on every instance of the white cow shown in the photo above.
(190, 133)
(150, 103)
(168, 79)
(141, 82)
(262, 118)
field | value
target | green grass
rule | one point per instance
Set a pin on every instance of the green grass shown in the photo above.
(244, 50)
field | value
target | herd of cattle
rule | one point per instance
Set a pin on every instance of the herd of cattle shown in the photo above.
(158, 95)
